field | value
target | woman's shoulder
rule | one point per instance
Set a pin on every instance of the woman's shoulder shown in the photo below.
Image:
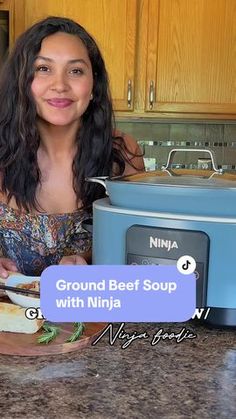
(131, 151)
(128, 140)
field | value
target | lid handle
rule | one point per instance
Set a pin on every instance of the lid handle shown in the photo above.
(98, 179)
(175, 150)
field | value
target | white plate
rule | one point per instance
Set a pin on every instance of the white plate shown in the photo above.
(20, 299)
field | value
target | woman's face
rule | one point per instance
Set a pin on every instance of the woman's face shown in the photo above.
(63, 80)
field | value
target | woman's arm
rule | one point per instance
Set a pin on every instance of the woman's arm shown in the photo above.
(131, 152)
(135, 156)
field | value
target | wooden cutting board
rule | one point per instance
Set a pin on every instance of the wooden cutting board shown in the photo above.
(23, 344)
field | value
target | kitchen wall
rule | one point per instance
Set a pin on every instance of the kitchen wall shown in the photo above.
(157, 139)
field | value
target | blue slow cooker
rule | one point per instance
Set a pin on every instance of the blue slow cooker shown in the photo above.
(157, 217)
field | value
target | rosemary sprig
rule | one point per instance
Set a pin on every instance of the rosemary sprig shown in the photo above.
(49, 334)
(78, 331)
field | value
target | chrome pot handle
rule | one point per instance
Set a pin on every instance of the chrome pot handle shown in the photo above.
(98, 179)
(175, 150)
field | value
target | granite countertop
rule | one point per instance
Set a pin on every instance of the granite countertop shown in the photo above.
(195, 378)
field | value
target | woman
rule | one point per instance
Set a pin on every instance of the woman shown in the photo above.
(56, 128)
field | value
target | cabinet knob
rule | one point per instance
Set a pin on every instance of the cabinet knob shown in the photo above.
(151, 94)
(129, 94)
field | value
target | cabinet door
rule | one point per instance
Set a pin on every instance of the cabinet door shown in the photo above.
(7, 9)
(112, 24)
(191, 56)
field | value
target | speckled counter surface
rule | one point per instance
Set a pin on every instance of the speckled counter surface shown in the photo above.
(195, 378)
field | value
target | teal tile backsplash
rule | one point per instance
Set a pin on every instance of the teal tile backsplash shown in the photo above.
(157, 139)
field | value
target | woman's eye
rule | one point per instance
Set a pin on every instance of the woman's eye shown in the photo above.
(77, 71)
(42, 68)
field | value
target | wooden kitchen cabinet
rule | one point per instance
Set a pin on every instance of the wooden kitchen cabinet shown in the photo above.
(165, 58)
(8, 7)
(112, 24)
(191, 57)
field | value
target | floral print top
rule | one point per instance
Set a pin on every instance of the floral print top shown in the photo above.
(35, 241)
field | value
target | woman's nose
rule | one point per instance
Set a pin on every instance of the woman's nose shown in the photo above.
(59, 83)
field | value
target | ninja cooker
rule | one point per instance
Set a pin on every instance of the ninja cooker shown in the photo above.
(157, 217)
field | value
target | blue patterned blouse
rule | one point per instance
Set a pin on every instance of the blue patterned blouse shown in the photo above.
(35, 241)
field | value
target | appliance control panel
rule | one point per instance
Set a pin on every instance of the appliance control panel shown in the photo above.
(164, 246)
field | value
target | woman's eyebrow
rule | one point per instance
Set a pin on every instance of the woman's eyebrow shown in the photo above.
(74, 61)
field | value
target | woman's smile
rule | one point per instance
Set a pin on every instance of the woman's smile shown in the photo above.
(59, 103)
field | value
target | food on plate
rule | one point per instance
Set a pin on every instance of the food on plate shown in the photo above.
(32, 286)
(13, 319)
(26, 283)
(4, 280)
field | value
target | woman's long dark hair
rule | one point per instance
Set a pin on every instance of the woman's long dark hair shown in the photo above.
(19, 136)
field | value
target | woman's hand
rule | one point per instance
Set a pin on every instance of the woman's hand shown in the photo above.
(7, 265)
(73, 260)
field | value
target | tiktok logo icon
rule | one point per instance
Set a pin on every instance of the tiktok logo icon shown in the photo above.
(186, 265)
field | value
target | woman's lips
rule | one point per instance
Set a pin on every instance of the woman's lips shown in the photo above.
(60, 103)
